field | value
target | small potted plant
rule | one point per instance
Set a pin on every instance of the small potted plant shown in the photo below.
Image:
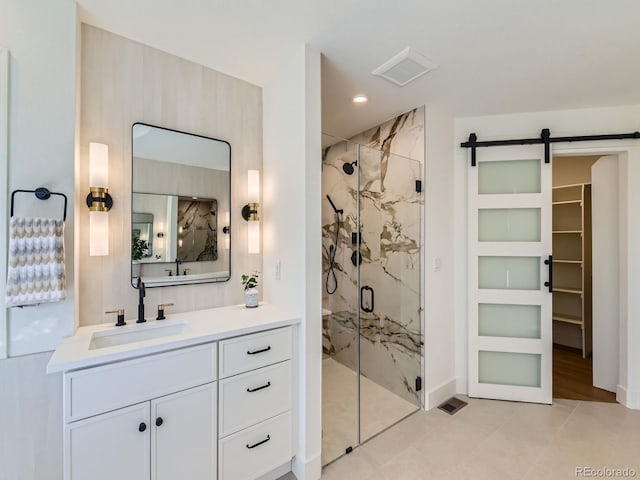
(251, 293)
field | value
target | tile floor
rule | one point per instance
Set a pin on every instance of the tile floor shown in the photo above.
(498, 440)
(380, 409)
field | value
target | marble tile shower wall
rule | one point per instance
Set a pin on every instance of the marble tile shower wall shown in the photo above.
(391, 343)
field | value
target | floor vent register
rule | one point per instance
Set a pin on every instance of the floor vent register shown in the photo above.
(453, 405)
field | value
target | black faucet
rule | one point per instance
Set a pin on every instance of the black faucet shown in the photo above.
(178, 262)
(141, 294)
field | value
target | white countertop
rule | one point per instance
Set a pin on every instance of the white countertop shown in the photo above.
(201, 326)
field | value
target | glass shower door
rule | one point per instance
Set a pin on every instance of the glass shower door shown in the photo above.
(389, 205)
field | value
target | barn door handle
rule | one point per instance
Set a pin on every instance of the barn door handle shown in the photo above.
(549, 283)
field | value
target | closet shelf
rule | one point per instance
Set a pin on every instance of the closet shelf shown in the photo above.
(575, 291)
(571, 251)
(562, 317)
(567, 202)
(572, 185)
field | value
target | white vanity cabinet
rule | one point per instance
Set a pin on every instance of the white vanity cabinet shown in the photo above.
(165, 439)
(219, 410)
(171, 433)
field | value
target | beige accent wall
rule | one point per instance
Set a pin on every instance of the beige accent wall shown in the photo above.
(571, 170)
(124, 82)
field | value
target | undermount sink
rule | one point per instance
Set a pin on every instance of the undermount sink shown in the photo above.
(135, 333)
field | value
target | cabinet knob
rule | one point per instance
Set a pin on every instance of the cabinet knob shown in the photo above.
(159, 421)
(142, 427)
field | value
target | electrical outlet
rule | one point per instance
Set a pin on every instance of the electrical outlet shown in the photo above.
(278, 269)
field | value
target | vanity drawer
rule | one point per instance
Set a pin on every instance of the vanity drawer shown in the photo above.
(255, 451)
(101, 389)
(252, 397)
(242, 354)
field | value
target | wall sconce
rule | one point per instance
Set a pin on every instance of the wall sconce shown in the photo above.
(250, 211)
(99, 201)
(226, 230)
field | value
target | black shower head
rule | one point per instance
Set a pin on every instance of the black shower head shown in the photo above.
(348, 167)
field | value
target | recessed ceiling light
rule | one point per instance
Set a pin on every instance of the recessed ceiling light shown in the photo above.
(360, 99)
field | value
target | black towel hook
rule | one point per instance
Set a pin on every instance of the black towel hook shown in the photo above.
(41, 193)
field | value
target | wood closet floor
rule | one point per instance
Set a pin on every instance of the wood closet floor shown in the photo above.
(572, 377)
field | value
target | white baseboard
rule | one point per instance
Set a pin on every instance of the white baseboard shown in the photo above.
(276, 473)
(461, 385)
(630, 399)
(439, 394)
(307, 469)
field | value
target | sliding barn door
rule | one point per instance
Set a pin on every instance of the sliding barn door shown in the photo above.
(509, 247)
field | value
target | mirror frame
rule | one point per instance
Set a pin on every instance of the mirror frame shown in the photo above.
(131, 192)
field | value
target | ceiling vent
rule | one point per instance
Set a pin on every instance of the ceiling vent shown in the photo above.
(405, 67)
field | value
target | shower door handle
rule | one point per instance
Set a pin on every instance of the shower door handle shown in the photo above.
(372, 302)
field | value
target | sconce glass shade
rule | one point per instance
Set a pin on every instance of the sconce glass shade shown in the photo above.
(253, 237)
(99, 233)
(253, 186)
(98, 165)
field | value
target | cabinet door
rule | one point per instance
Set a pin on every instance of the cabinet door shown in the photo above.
(183, 440)
(110, 446)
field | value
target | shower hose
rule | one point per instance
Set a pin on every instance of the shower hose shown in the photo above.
(331, 273)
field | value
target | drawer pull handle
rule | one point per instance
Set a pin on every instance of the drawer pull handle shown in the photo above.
(142, 427)
(249, 352)
(159, 421)
(251, 390)
(259, 443)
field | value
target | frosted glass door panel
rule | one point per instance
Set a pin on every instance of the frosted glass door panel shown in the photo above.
(501, 320)
(506, 368)
(517, 176)
(509, 225)
(509, 273)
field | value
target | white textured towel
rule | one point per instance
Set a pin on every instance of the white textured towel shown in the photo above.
(36, 261)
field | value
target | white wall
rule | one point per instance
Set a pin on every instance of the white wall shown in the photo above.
(4, 135)
(562, 123)
(41, 38)
(439, 381)
(292, 231)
